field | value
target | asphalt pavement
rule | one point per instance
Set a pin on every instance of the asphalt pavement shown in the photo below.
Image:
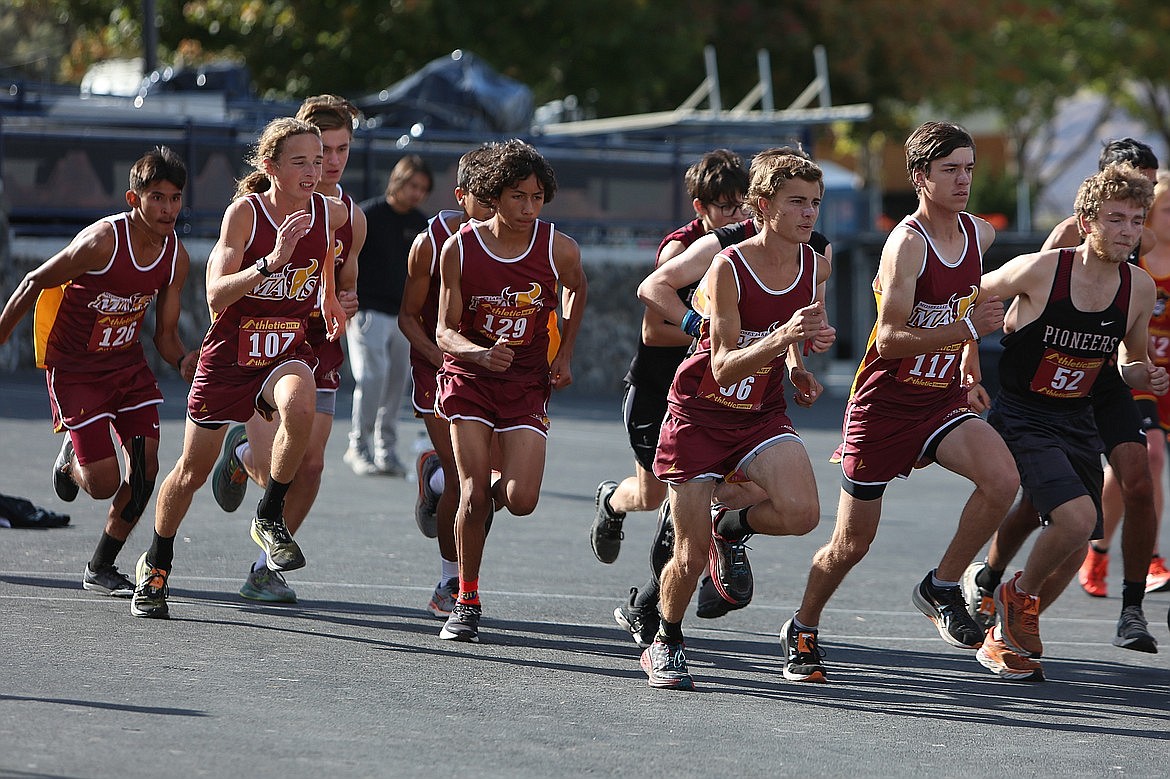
(353, 681)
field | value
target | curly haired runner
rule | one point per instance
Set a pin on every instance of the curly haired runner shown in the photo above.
(498, 292)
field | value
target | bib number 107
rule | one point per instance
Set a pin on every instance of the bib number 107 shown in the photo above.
(268, 346)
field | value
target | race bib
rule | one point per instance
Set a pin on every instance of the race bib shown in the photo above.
(516, 325)
(1061, 375)
(112, 332)
(745, 395)
(264, 339)
(936, 370)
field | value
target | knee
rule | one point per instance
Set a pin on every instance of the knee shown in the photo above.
(312, 466)
(806, 519)
(845, 551)
(521, 503)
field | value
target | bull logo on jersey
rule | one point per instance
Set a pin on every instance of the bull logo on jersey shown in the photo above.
(928, 315)
(338, 252)
(289, 283)
(109, 303)
(512, 299)
(521, 299)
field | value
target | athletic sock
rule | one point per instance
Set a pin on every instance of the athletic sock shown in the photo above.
(261, 562)
(1098, 548)
(938, 583)
(670, 632)
(161, 553)
(733, 525)
(437, 482)
(448, 570)
(803, 627)
(469, 592)
(988, 578)
(105, 552)
(271, 506)
(1132, 593)
(647, 597)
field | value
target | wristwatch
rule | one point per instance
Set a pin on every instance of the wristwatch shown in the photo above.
(262, 266)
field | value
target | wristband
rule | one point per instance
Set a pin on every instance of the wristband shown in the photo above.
(262, 266)
(179, 363)
(690, 323)
(970, 326)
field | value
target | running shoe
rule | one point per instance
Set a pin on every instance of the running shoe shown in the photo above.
(606, 534)
(359, 462)
(730, 570)
(150, 595)
(640, 623)
(980, 602)
(428, 500)
(267, 586)
(662, 548)
(273, 537)
(1001, 660)
(803, 656)
(1133, 632)
(710, 603)
(107, 581)
(1019, 618)
(945, 607)
(1158, 578)
(462, 624)
(665, 665)
(443, 598)
(229, 479)
(63, 483)
(1093, 572)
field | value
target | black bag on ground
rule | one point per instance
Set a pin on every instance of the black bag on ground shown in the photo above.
(18, 512)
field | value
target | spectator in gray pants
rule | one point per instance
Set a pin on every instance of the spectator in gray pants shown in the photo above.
(379, 355)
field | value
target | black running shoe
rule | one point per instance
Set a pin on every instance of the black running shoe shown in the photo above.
(606, 534)
(642, 624)
(150, 596)
(63, 483)
(662, 548)
(948, 611)
(802, 655)
(282, 551)
(427, 505)
(711, 604)
(462, 624)
(1133, 632)
(107, 581)
(666, 666)
(229, 479)
(730, 570)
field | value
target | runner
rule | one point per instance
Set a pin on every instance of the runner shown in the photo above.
(1073, 309)
(726, 416)
(271, 268)
(908, 404)
(499, 282)
(90, 300)
(247, 451)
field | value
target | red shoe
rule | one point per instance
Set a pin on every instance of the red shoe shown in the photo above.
(1158, 578)
(1093, 572)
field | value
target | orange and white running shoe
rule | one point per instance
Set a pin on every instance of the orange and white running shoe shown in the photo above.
(1093, 572)
(1019, 618)
(1158, 578)
(1001, 660)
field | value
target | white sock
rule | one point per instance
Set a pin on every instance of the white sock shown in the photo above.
(437, 481)
(938, 583)
(242, 450)
(261, 562)
(448, 569)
